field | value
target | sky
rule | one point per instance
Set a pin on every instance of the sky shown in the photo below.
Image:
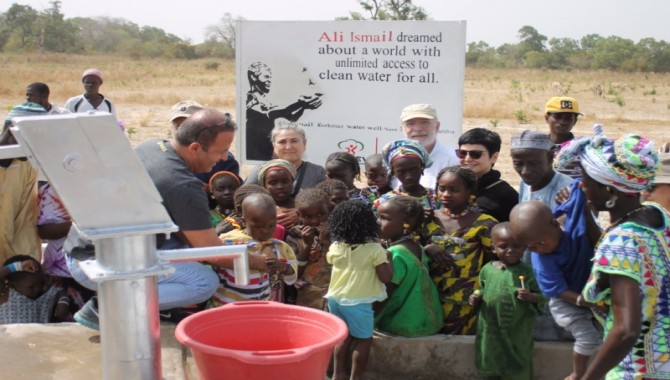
(493, 21)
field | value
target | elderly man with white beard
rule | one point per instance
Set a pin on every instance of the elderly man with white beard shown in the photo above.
(419, 122)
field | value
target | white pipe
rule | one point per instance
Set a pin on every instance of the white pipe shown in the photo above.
(11, 151)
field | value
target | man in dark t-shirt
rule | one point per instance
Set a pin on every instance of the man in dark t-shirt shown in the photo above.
(201, 141)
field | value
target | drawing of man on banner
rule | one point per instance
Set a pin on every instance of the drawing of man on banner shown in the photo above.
(261, 114)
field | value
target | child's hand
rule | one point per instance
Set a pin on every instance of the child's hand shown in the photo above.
(440, 256)
(428, 213)
(526, 295)
(324, 235)
(308, 233)
(29, 266)
(562, 195)
(601, 308)
(475, 299)
(272, 264)
(61, 311)
(288, 218)
(299, 284)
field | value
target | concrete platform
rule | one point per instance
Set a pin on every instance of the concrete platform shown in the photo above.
(439, 357)
(70, 351)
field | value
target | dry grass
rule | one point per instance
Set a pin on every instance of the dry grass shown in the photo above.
(144, 90)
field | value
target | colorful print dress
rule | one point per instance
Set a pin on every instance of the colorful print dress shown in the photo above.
(456, 285)
(642, 254)
(262, 285)
(312, 285)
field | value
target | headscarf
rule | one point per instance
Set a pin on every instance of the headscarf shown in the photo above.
(627, 163)
(405, 148)
(273, 165)
(25, 109)
(92, 72)
(224, 172)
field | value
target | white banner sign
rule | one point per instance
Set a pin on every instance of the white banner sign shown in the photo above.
(345, 82)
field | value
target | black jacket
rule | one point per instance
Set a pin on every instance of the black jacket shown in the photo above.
(495, 196)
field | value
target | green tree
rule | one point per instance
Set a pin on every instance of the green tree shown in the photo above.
(478, 52)
(614, 53)
(20, 19)
(388, 10)
(561, 50)
(537, 60)
(589, 41)
(654, 55)
(531, 40)
(4, 31)
(158, 35)
(55, 32)
(508, 55)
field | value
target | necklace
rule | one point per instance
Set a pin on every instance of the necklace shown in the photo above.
(448, 213)
(621, 219)
(617, 222)
(399, 240)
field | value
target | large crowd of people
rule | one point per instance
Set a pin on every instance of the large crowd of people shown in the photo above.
(431, 241)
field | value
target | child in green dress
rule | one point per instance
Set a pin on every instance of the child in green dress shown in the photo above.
(508, 302)
(413, 308)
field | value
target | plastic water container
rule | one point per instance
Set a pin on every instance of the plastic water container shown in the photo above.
(261, 340)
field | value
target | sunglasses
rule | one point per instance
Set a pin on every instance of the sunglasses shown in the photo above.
(474, 154)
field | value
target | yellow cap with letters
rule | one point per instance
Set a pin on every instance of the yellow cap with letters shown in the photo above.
(562, 104)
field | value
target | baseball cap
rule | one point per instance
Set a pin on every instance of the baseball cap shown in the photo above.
(425, 111)
(562, 104)
(663, 169)
(185, 108)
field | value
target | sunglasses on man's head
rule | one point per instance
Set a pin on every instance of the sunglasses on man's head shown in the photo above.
(474, 154)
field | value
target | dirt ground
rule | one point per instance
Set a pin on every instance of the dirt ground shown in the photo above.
(507, 101)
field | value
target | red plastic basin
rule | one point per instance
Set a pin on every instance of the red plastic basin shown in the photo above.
(261, 340)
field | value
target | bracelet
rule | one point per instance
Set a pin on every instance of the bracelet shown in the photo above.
(579, 301)
(64, 300)
(16, 266)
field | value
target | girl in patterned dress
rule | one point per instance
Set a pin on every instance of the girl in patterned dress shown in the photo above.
(222, 187)
(407, 160)
(468, 238)
(277, 176)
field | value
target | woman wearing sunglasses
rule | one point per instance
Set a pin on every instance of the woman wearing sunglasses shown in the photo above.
(478, 151)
